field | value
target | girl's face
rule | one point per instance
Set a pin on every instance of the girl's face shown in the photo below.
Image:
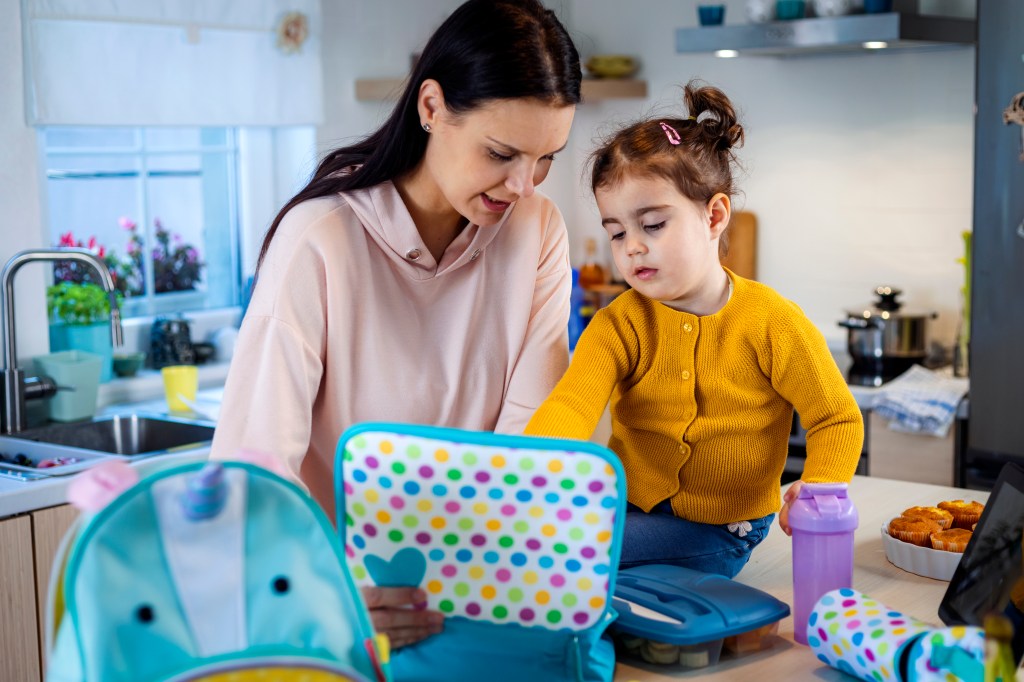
(488, 158)
(664, 244)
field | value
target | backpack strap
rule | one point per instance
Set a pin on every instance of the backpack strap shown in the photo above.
(55, 604)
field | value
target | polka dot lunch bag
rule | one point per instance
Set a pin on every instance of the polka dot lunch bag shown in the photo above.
(515, 539)
(204, 572)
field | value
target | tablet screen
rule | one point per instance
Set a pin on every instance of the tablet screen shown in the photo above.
(989, 576)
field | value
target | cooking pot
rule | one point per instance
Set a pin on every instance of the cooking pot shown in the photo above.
(883, 339)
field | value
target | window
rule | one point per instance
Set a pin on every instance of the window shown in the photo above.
(160, 204)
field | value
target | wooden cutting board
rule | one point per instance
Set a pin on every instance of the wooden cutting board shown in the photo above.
(742, 255)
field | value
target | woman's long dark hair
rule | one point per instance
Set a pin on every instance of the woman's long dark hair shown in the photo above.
(486, 50)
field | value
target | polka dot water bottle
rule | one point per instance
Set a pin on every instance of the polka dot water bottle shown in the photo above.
(822, 520)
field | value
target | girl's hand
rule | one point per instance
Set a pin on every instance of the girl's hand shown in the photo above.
(401, 614)
(787, 499)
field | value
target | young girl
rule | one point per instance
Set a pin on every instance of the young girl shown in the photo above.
(704, 368)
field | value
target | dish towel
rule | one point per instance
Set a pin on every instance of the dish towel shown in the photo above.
(921, 401)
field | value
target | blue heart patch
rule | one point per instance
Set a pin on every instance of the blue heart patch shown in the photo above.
(406, 568)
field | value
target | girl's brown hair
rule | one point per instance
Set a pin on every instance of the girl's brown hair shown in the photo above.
(695, 152)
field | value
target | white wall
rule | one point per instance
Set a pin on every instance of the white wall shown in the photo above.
(859, 168)
(20, 185)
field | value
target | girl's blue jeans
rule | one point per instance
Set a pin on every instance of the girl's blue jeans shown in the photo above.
(661, 537)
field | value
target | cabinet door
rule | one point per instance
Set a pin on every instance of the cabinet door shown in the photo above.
(19, 638)
(48, 528)
(909, 456)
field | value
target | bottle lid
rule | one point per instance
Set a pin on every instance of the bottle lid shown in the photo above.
(823, 508)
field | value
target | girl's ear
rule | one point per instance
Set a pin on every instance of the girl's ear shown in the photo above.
(430, 102)
(719, 209)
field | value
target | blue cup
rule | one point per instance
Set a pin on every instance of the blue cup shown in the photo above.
(790, 9)
(710, 15)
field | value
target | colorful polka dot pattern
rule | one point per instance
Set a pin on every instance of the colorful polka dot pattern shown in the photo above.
(511, 536)
(855, 634)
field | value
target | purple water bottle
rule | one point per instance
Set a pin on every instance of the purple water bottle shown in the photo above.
(822, 520)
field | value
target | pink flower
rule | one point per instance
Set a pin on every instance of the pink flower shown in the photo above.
(126, 223)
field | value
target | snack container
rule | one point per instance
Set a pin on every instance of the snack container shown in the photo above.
(757, 639)
(699, 613)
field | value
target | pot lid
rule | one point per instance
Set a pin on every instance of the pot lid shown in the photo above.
(887, 306)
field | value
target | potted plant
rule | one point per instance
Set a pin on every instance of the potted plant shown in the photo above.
(80, 320)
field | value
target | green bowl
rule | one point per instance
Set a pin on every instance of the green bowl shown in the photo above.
(128, 364)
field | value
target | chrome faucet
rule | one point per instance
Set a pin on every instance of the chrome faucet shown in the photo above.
(16, 386)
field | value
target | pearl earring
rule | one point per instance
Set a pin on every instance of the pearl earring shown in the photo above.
(426, 127)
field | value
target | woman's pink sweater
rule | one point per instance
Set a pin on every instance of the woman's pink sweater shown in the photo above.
(353, 320)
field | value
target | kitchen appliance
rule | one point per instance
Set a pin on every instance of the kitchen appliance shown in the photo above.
(170, 343)
(827, 35)
(883, 339)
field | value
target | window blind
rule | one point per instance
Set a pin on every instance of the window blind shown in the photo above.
(172, 62)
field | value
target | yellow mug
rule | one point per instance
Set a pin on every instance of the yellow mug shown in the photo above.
(180, 384)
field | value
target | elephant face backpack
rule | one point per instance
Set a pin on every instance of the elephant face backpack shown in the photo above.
(515, 539)
(215, 572)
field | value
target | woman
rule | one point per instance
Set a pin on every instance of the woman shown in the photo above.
(418, 277)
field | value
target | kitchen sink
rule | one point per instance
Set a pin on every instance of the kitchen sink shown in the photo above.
(126, 435)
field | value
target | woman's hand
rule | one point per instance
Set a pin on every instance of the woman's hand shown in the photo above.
(787, 499)
(401, 614)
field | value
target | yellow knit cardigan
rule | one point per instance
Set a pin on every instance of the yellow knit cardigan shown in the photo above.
(702, 407)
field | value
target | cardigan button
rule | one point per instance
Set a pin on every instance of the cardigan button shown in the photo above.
(686, 375)
(687, 327)
(413, 254)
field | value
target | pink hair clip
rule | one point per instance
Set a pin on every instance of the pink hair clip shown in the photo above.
(670, 133)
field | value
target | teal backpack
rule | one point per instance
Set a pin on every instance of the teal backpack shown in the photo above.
(515, 539)
(214, 572)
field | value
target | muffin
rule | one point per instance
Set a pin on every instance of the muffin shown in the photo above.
(916, 531)
(944, 517)
(965, 514)
(952, 540)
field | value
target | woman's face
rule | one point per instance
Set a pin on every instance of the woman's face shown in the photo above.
(484, 160)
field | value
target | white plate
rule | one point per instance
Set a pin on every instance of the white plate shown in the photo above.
(931, 563)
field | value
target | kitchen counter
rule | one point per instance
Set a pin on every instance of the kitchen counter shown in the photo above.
(770, 570)
(17, 497)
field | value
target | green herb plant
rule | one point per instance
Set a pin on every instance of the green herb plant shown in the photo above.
(78, 304)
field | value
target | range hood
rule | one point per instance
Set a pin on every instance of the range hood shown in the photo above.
(830, 35)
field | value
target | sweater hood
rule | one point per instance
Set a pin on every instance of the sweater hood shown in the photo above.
(386, 219)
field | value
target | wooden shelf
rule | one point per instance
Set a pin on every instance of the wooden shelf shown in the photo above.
(594, 89)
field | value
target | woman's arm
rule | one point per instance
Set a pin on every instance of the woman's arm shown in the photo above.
(544, 354)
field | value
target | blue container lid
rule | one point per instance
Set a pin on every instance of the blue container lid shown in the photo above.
(702, 606)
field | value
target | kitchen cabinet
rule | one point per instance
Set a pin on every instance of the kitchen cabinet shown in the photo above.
(29, 543)
(19, 633)
(909, 456)
(48, 529)
(593, 89)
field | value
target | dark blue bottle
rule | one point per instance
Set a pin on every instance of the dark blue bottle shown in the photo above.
(577, 303)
